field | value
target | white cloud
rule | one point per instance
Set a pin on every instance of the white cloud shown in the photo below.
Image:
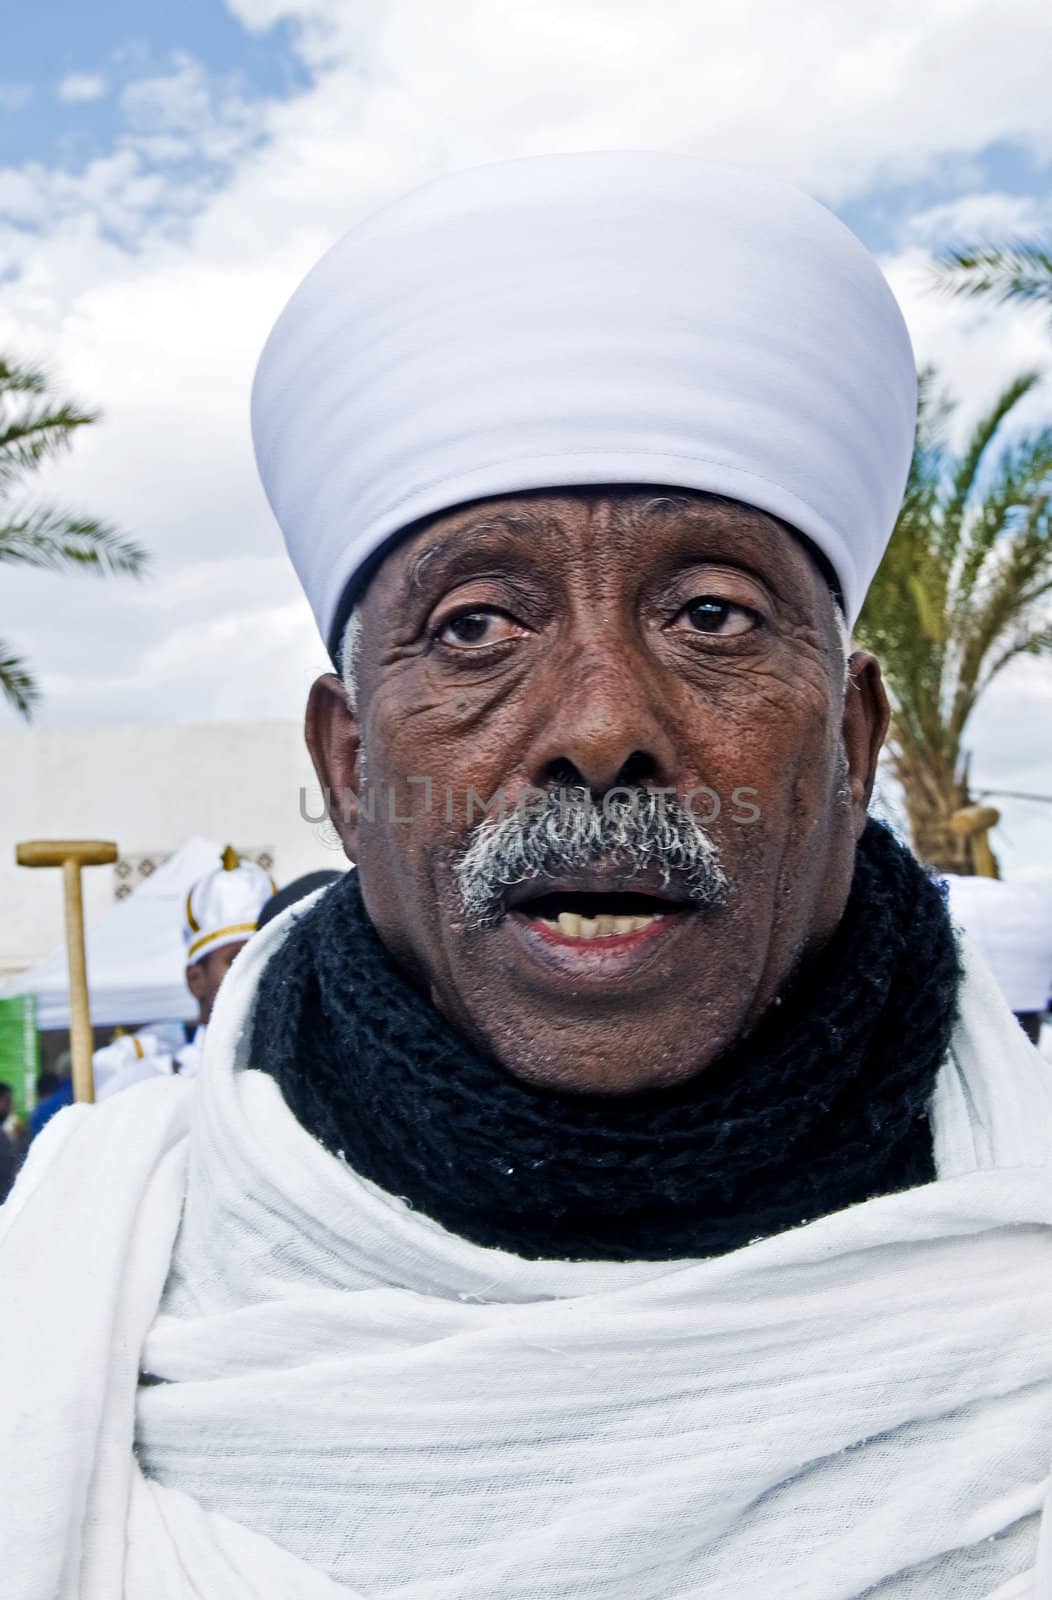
(832, 94)
(150, 279)
(78, 88)
(203, 116)
(984, 215)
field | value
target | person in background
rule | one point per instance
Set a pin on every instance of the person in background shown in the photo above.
(54, 1091)
(221, 913)
(13, 1123)
(8, 1153)
(130, 1057)
(1011, 925)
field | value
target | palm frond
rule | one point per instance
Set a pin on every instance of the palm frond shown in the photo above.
(963, 590)
(33, 423)
(927, 473)
(18, 378)
(28, 438)
(1013, 501)
(35, 426)
(17, 684)
(1020, 574)
(903, 619)
(970, 464)
(1020, 271)
(1035, 641)
(52, 539)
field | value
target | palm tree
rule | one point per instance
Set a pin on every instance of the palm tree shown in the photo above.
(961, 592)
(1021, 271)
(35, 426)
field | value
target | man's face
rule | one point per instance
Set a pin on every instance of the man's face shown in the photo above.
(204, 977)
(586, 641)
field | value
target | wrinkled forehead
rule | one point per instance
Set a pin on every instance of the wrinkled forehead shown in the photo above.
(613, 532)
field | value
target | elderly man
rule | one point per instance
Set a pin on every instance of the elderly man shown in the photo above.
(620, 1185)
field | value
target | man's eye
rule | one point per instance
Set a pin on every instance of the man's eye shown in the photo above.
(472, 629)
(709, 614)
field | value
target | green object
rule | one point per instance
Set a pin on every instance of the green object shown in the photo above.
(962, 591)
(35, 426)
(20, 1049)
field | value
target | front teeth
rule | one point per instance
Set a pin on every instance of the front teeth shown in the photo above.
(573, 926)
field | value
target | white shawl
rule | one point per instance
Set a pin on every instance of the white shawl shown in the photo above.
(363, 1405)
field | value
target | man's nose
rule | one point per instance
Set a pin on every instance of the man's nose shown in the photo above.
(608, 728)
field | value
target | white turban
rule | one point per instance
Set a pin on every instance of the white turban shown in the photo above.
(619, 318)
(223, 907)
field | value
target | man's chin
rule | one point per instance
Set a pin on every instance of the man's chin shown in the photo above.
(612, 1060)
(617, 1013)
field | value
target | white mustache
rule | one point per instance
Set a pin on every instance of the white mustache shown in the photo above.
(636, 831)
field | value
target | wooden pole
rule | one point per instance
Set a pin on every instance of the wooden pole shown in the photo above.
(974, 823)
(80, 1035)
(71, 855)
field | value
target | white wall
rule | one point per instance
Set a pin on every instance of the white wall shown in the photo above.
(147, 788)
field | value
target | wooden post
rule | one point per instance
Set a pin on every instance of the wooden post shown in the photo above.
(71, 855)
(974, 823)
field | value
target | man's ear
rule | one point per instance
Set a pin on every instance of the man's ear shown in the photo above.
(334, 742)
(865, 727)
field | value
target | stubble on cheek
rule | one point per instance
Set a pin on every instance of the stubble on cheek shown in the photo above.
(788, 865)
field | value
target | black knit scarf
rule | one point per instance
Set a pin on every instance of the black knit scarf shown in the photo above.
(823, 1105)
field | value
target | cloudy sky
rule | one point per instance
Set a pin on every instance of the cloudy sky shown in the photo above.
(168, 173)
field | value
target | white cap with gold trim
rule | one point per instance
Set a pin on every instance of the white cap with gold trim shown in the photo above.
(224, 905)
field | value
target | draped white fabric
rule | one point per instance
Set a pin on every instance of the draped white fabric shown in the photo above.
(361, 1404)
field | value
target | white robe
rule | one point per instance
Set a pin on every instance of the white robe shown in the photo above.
(188, 1060)
(362, 1404)
(137, 1057)
(151, 1052)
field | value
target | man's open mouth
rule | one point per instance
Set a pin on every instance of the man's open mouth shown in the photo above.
(575, 915)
